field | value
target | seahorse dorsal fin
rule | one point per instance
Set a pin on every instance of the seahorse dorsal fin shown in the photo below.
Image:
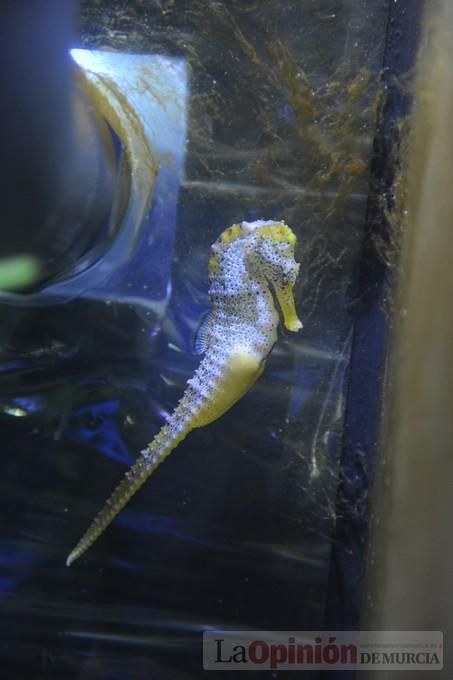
(201, 339)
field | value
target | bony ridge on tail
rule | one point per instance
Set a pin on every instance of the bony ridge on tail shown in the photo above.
(252, 264)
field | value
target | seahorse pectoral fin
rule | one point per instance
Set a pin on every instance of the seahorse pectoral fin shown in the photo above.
(201, 340)
(285, 298)
(242, 371)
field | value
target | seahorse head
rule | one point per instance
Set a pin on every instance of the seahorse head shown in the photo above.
(268, 247)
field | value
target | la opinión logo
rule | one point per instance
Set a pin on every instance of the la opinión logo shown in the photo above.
(365, 650)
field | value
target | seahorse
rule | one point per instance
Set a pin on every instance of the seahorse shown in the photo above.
(252, 267)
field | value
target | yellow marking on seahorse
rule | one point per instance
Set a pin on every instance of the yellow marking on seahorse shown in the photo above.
(279, 232)
(212, 265)
(242, 371)
(285, 299)
(231, 233)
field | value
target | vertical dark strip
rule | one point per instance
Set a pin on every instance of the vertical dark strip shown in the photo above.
(371, 326)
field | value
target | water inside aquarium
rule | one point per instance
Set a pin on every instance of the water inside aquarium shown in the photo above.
(278, 105)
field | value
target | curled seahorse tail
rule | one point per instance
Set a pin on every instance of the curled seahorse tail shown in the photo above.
(133, 480)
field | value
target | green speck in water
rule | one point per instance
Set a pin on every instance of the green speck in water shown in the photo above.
(18, 272)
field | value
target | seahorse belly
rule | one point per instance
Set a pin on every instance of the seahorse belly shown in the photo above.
(238, 376)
